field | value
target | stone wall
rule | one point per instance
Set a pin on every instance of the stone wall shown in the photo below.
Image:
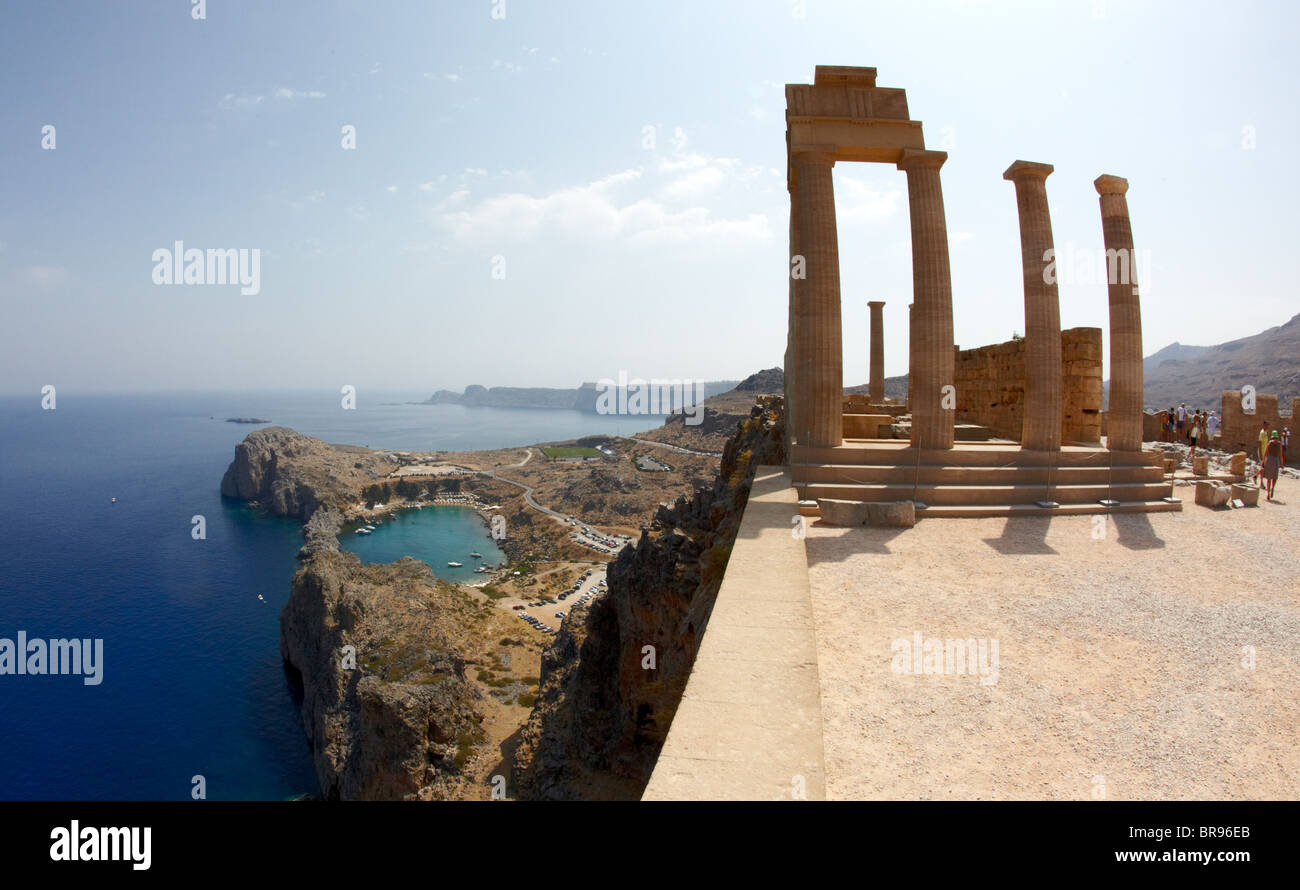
(990, 382)
(1240, 431)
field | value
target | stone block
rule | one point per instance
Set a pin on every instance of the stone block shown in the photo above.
(1201, 466)
(1211, 494)
(1237, 464)
(1247, 494)
(896, 514)
(839, 512)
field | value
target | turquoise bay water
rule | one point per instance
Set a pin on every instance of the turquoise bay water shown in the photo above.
(192, 678)
(437, 535)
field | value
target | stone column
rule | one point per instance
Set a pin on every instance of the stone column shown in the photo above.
(932, 336)
(820, 357)
(876, 381)
(1041, 428)
(1124, 419)
(791, 338)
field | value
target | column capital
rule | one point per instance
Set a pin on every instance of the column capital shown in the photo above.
(1027, 171)
(921, 158)
(1110, 185)
(875, 302)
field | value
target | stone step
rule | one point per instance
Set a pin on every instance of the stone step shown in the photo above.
(968, 475)
(975, 512)
(985, 495)
(883, 453)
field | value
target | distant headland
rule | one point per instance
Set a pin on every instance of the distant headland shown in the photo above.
(583, 398)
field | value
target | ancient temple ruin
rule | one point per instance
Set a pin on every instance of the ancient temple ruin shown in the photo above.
(1054, 461)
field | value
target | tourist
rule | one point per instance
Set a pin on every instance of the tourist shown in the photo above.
(1192, 435)
(1263, 441)
(1182, 419)
(1169, 425)
(1272, 463)
(1211, 429)
(1286, 440)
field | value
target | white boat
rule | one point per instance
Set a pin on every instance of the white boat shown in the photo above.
(477, 555)
(455, 565)
(363, 531)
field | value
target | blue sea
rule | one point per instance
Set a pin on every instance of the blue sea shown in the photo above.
(192, 681)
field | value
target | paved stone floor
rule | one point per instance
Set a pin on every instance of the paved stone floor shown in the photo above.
(1123, 660)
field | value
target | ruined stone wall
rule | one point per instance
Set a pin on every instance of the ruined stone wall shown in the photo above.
(1240, 431)
(990, 382)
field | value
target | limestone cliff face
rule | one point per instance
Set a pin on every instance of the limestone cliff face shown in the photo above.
(376, 651)
(400, 724)
(289, 474)
(601, 716)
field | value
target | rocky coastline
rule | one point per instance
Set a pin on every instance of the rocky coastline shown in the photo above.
(379, 653)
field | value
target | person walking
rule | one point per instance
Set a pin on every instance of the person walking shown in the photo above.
(1169, 425)
(1182, 420)
(1211, 429)
(1263, 441)
(1286, 440)
(1272, 463)
(1193, 435)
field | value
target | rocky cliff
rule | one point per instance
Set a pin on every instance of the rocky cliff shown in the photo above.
(394, 716)
(289, 474)
(376, 653)
(602, 715)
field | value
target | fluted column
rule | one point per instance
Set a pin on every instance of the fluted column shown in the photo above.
(1124, 418)
(876, 381)
(791, 338)
(911, 352)
(821, 357)
(1041, 429)
(932, 365)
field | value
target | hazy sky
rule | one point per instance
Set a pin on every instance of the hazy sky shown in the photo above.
(525, 138)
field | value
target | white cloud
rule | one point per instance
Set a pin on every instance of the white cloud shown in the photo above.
(694, 184)
(230, 100)
(45, 278)
(862, 202)
(286, 93)
(374, 69)
(426, 186)
(248, 100)
(391, 189)
(598, 210)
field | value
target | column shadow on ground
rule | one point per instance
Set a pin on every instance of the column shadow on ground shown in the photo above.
(1023, 536)
(866, 539)
(1136, 531)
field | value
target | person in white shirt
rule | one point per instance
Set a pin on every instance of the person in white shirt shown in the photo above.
(1182, 420)
(1211, 427)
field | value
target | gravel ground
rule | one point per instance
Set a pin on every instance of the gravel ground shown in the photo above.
(1120, 658)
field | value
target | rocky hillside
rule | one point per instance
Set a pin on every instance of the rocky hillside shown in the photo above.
(1198, 375)
(600, 717)
(288, 474)
(404, 722)
(767, 382)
